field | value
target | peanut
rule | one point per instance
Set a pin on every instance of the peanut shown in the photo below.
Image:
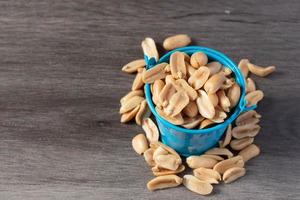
(195, 162)
(191, 109)
(177, 65)
(249, 152)
(151, 130)
(205, 106)
(219, 152)
(155, 73)
(199, 77)
(126, 117)
(222, 166)
(243, 66)
(198, 59)
(214, 83)
(248, 130)
(214, 67)
(176, 41)
(149, 48)
(239, 144)
(139, 143)
(260, 71)
(162, 172)
(233, 174)
(133, 66)
(195, 185)
(162, 182)
(254, 97)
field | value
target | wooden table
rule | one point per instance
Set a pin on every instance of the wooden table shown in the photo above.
(60, 136)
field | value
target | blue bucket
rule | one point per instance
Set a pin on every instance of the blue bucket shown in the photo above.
(196, 141)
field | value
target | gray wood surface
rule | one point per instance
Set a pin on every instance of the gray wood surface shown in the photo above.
(60, 84)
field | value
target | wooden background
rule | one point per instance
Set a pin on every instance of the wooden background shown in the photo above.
(60, 84)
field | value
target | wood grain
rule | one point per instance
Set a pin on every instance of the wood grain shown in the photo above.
(60, 136)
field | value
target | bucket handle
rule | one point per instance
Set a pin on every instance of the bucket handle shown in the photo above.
(245, 108)
(149, 61)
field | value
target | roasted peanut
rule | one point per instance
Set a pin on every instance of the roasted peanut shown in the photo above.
(166, 93)
(239, 144)
(191, 109)
(205, 123)
(139, 143)
(195, 185)
(167, 148)
(195, 162)
(177, 120)
(213, 97)
(214, 83)
(163, 172)
(219, 116)
(158, 85)
(254, 97)
(190, 70)
(207, 172)
(168, 161)
(206, 179)
(219, 152)
(130, 95)
(191, 92)
(159, 151)
(133, 66)
(249, 152)
(177, 65)
(198, 59)
(155, 73)
(131, 104)
(148, 156)
(149, 48)
(243, 66)
(260, 71)
(223, 100)
(138, 82)
(250, 117)
(250, 85)
(222, 166)
(233, 174)
(142, 113)
(227, 83)
(214, 67)
(205, 106)
(199, 77)
(151, 130)
(233, 94)
(177, 103)
(176, 41)
(228, 137)
(248, 130)
(162, 182)
(126, 117)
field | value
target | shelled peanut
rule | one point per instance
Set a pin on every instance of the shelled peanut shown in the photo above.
(192, 92)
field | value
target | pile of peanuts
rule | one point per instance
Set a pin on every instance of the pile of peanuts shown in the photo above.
(193, 93)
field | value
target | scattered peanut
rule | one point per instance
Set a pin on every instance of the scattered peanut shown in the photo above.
(162, 182)
(176, 41)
